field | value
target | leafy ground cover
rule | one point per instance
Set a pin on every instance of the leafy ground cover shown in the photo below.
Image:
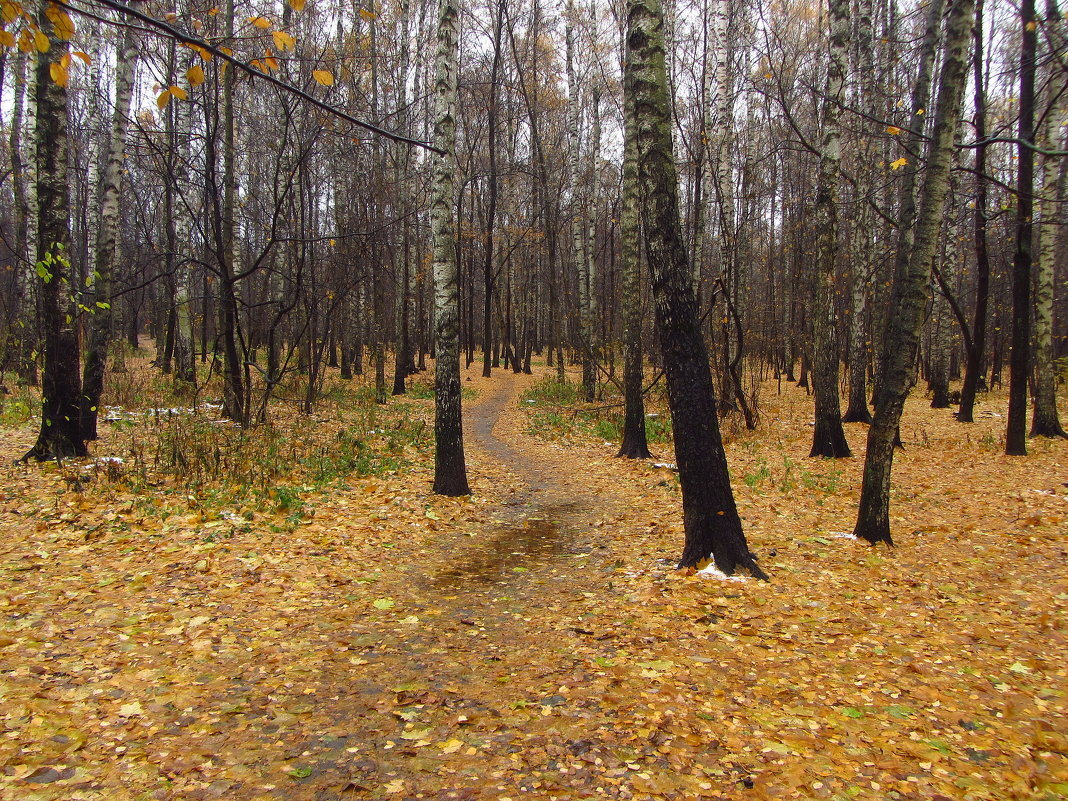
(323, 627)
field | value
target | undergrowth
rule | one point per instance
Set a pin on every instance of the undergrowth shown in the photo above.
(556, 409)
(175, 455)
(18, 406)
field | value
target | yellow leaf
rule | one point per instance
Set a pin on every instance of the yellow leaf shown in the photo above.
(83, 56)
(61, 21)
(283, 41)
(323, 77)
(40, 41)
(9, 11)
(7, 39)
(195, 75)
(163, 99)
(25, 41)
(296, 5)
(260, 22)
(893, 130)
(179, 93)
(200, 51)
(368, 15)
(59, 73)
(213, 11)
(897, 165)
(271, 63)
(1031, 25)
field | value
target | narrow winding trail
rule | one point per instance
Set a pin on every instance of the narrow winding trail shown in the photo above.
(486, 661)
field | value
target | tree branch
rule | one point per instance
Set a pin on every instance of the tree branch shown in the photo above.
(184, 38)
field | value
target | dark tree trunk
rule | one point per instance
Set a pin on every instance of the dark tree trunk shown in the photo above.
(1019, 358)
(912, 284)
(974, 368)
(713, 527)
(634, 445)
(61, 432)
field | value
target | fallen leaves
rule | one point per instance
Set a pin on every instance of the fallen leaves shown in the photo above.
(387, 643)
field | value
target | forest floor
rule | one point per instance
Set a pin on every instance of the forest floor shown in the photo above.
(354, 636)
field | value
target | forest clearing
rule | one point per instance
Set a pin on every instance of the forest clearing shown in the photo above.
(343, 632)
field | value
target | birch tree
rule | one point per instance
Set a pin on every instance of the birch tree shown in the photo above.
(912, 285)
(107, 232)
(1045, 420)
(828, 437)
(450, 470)
(1020, 357)
(60, 434)
(713, 527)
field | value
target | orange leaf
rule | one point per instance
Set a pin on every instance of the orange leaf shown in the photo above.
(83, 56)
(323, 77)
(297, 5)
(283, 41)
(59, 73)
(195, 75)
(163, 99)
(260, 22)
(179, 93)
(7, 39)
(368, 15)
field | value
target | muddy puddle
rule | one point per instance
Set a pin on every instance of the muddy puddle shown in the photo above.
(514, 549)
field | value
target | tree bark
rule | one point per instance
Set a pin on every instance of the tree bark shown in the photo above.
(1045, 421)
(911, 287)
(578, 211)
(234, 402)
(974, 367)
(107, 232)
(60, 433)
(713, 527)
(634, 445)
(1020, 357)
(450, 470)
(828, 437)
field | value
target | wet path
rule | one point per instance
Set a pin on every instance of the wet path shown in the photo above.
(481, 623)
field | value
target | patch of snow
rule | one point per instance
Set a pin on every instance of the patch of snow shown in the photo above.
(841, 535)
(713, 572)
(668, 465)
(102, 460)
(1051, 494)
